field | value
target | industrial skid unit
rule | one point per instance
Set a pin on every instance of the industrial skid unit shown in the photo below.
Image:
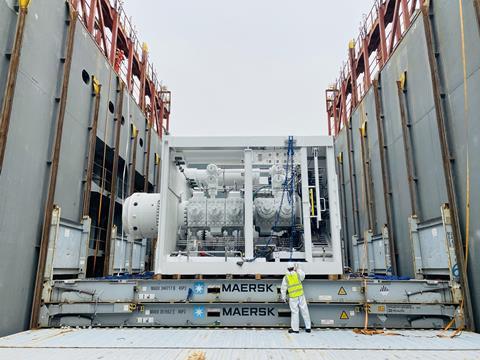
(231, 212)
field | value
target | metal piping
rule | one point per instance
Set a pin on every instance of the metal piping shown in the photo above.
(52, 184)
(12, 80)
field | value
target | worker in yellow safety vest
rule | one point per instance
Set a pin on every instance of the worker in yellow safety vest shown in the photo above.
(292, 284)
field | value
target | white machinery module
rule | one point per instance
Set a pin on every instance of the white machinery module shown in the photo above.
(242, 205)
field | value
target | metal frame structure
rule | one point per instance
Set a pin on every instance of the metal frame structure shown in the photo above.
(114, 34)
(382, 30)
(168, 264)
(222, 302)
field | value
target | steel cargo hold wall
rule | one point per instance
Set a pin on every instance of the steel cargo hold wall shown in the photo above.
(24, 177)
(25, 172)
(409, 64)
(462, 118)
(7, 27)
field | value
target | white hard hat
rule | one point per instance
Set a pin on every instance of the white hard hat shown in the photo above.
(290, 265)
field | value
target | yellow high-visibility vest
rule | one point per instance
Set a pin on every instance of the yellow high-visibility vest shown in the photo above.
(295, 288)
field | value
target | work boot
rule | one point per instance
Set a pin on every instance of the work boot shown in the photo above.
(291, 331)
(308, 330)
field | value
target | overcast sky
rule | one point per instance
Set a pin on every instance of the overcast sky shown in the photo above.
(247, 67)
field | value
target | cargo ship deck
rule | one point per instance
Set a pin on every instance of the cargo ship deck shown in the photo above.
(171, 343)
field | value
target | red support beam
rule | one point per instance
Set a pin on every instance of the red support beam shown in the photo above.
(130, 66)
(366, 65)
(383, 36)
(343, 98)
(102, 26)
(373, 40)
(102, 17)
(75, 4)
(413, 7)
(162, 116)
(405, 13)
(336, 120)
(395, 27)
(143, 75)
(113, 45)
(353, 72)
(91, 16)
(84, 11)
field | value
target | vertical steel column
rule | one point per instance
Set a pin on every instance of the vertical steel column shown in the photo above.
(353, 185)
(395, 26)
(147, 157)
(446, 157)
(413, 6)
(143, 75)
(133, 163)
(343, 202)
(307, 231)
(91, 16)
(157, 174)
(12, 79)
(114, 43)
(130, 66)
(55, 160)
(113, 184)
(91, 148)
(248, 231)
(334, 205)
(150, 122)
(160, 118)
(405, 14)
(367, 178)
(353, 73)
(366, 63)
(476, 5)
(387, 192)
(407, 148)
(343, 103)
(383, 36)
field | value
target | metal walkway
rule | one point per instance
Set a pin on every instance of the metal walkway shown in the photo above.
(106, 344)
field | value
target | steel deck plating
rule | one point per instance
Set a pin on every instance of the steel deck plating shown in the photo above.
(262, 344)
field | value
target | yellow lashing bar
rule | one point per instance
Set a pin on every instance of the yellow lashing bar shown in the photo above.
(134, 130)
(24, 4)
(95, 85)
(363, 129)
(312, 204)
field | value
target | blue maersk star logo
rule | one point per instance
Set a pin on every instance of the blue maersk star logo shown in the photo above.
(199, 288)
(199, 312)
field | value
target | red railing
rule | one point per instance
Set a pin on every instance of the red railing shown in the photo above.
(382, 29)
(116, 37)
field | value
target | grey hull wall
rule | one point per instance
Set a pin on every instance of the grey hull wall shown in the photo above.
(24, 178)
(411, 57)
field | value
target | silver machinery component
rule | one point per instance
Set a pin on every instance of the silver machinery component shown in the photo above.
(140, 215)
(241, 206)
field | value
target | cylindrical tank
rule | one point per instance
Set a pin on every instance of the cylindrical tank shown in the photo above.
(140, 215)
